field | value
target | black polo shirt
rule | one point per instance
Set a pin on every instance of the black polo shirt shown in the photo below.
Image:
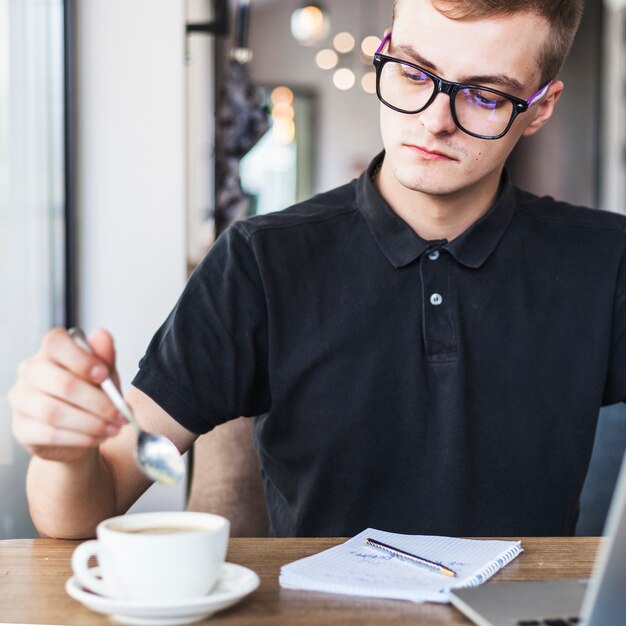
(415, 386)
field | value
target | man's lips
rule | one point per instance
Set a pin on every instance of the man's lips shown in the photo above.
(427, 153)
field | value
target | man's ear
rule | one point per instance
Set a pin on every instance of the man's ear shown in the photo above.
(545, 108)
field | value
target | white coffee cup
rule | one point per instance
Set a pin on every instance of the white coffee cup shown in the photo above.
(155, 557)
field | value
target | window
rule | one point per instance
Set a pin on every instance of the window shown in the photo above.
(32, 207)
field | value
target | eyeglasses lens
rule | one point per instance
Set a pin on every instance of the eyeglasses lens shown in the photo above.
(482, 112)
(405, 87)
(477, 111)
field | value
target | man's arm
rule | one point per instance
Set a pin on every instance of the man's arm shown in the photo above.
(83, 469)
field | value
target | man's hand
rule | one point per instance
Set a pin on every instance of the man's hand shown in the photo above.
(59, 411)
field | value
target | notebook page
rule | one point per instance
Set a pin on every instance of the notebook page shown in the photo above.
(356, 569)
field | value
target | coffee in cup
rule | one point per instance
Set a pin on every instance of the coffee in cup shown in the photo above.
(154, 557)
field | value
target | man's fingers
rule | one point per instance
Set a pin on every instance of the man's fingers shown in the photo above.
(59, 411)
(59, 415)
(59, 347)
(102, 344)
(34, 435)
(53, 380)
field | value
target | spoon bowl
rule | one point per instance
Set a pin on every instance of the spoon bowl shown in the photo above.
(155, 454)
(159, 458)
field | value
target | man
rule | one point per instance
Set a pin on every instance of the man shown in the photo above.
(425, 349)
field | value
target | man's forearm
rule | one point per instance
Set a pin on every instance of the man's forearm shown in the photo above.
(68, 500)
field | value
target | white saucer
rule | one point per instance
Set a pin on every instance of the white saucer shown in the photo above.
(235, 582)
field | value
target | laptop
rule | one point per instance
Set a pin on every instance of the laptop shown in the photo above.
(599, 601)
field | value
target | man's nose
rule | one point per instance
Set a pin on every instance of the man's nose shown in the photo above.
(437, 117)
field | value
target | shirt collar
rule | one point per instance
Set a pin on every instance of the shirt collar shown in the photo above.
(402, 245)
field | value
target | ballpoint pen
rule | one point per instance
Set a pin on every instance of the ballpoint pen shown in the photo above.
(413, 558)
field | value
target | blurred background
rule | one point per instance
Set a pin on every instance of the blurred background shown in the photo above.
(133, 131)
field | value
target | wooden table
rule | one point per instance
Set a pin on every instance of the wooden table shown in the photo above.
(33, 574)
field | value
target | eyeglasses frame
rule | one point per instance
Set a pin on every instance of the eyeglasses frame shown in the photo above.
(451, 88)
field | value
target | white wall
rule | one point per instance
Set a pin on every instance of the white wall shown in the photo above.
(131, 174)
(348, 123)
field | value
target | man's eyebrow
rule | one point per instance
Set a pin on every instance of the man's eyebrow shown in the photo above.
(410, 52)
(501, 80)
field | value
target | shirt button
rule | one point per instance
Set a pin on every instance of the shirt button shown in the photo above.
(434, 255)
(436, 299)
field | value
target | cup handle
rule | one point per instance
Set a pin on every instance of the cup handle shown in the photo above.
(82, 571)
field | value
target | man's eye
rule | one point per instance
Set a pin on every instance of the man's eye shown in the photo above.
(410, 73)
(484, 99)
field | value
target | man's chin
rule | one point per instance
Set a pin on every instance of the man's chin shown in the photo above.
(428, 183)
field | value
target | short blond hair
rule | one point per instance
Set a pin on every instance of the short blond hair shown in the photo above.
(563, 16)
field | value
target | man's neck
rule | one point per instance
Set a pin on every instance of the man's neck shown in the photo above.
(435, 217)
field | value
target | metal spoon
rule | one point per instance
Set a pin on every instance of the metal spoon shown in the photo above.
(156, 455)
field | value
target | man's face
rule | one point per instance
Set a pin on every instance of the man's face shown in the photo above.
(426, 151)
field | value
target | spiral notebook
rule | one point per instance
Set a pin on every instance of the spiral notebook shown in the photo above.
(354, 568)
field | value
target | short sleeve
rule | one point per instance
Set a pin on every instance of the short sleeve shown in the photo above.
(208, 361)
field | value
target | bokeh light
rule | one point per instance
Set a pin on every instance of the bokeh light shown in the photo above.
(343, 42)
(326, 59)
(369, 45)
(309, 24)
(344, 79)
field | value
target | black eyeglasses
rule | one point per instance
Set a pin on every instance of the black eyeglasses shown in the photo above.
(478, 111)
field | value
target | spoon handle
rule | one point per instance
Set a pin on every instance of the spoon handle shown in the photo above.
(107, 385)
